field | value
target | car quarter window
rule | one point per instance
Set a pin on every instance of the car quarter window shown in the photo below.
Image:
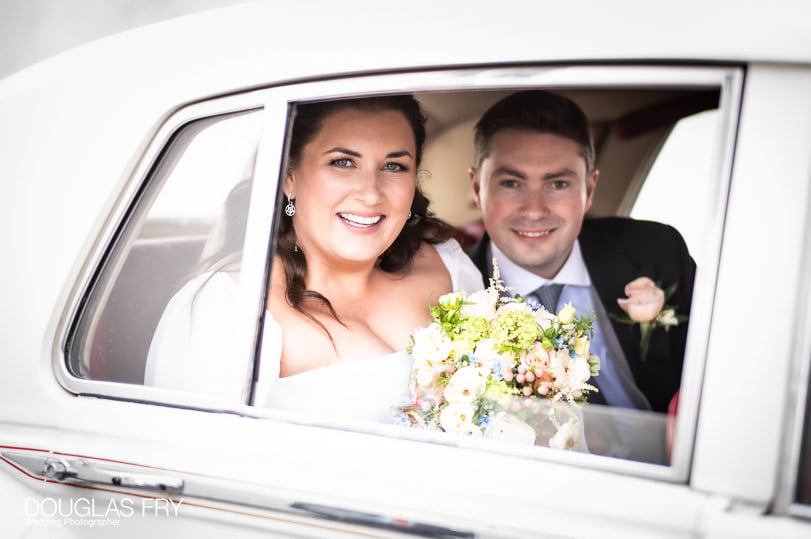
(187, 221)
(681, 177)
(798, 451)
(173, 266)
(802, 495)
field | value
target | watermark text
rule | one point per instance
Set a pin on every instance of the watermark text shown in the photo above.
(93, 512)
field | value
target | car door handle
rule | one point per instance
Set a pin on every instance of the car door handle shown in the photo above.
(380, 521)
(80, 470)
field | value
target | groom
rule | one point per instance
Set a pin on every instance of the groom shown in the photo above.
(534, 180)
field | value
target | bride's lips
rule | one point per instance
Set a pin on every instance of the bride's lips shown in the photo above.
(361, 221)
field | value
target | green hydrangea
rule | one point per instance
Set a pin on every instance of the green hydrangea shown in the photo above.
(473, 329)
(516, 331)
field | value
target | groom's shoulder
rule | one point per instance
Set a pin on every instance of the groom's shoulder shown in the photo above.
(624, 231)
(478, 251)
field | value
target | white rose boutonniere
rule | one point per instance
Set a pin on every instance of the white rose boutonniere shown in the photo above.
(645, 305)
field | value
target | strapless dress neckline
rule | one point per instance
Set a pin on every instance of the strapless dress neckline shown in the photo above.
(365, 389)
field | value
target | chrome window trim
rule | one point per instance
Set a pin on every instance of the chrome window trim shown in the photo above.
(276, 101)
(701, 313)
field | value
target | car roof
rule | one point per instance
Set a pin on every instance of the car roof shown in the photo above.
(265, 42)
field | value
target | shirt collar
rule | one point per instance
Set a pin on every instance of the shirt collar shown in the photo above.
(523, 282)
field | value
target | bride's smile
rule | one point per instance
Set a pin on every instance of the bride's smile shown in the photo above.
(359, 221)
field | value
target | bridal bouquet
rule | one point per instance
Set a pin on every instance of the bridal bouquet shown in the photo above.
(490, 365)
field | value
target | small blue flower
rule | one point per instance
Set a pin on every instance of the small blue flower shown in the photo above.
(496, 370)
(402, 420)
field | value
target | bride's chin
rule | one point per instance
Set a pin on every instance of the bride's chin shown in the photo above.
(360, 256)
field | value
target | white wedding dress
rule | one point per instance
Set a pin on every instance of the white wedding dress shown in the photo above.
(192, 351)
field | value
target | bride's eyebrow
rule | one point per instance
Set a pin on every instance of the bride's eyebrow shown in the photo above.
(392, 155)
(343, 150)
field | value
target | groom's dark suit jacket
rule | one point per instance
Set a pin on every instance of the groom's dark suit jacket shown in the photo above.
(616, 251)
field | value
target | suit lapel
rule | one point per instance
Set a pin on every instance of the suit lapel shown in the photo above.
(478, 254)
(609, 269)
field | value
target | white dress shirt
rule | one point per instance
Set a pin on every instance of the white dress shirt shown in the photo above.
(524, 282)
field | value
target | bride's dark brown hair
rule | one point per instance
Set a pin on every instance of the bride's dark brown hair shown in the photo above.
(421, 227)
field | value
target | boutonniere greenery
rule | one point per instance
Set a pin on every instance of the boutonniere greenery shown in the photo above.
(646, 305)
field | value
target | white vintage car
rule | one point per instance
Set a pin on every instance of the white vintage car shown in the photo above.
(116, 160)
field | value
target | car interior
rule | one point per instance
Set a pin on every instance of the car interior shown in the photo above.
(629, 126)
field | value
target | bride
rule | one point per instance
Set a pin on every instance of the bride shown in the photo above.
(359, 259)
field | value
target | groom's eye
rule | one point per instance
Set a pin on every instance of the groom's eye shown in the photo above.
(508, 183)
(558, 185)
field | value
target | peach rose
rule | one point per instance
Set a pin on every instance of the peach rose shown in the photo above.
(645, 300)
(536, 359)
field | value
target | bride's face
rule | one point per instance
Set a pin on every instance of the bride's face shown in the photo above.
(353, 186)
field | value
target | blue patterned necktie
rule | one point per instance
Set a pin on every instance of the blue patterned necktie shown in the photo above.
(546, 295)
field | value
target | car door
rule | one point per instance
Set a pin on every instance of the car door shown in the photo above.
(105, 450)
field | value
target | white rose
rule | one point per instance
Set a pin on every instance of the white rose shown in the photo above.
(482, 303)
(579, 371)
(458, 418)
(558, 363)
(567, 436)
(507, 427)
(544, 318)
(466, 385)
(431, 345)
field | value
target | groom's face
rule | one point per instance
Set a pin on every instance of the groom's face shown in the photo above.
(533, 190)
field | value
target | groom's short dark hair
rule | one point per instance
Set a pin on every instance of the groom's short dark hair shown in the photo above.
(535, 110)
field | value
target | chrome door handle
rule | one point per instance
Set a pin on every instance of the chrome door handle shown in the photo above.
(83, 470)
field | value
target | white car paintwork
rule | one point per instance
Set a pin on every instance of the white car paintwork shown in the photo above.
(72, 129)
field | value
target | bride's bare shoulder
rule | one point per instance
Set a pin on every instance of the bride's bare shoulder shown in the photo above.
(427, 260)
(428, 268)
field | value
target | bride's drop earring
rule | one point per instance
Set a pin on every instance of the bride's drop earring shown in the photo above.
(290, 209)
(409, 216)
